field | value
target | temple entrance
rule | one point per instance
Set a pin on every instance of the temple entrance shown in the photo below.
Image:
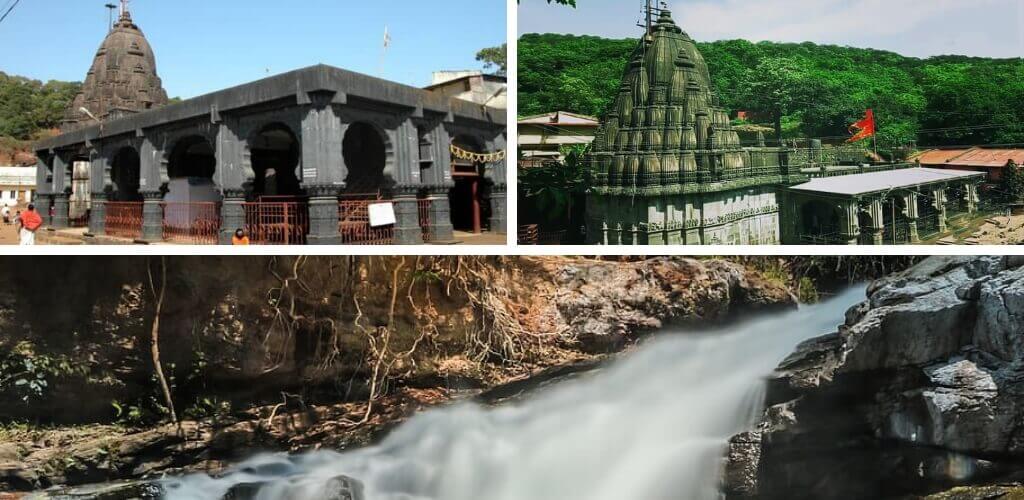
(365, 150)
(820, 223)
(124, 174)
(274, 155)
(469, 208)
(365, 153)
(192, 203)
(190, 168)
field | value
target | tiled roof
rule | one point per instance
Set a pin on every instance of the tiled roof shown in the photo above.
(973, 157)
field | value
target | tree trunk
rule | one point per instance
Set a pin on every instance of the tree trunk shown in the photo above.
(155, 347)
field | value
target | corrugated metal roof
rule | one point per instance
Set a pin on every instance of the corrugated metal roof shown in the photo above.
(874, 182)
(973, 157)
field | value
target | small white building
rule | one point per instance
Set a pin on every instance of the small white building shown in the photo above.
(17, 185)
(542, 137)
(473, 86)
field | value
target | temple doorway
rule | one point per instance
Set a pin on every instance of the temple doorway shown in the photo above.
(124, 174)
(274, 154)
(469, 208)
(190, 169)
(365, 153)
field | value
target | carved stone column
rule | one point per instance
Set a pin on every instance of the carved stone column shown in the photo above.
(232, 214)
(910, 200)
(407, 215)
(98, 216)
(939, 202)
(440, 214)
(61, 204)
(851, 226)
(152, 216)
(499, 210)
(971, 191)
(323, 215)
(877, 221)
(42, 203)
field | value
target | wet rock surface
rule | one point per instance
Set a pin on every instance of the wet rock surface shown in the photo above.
(920, 391)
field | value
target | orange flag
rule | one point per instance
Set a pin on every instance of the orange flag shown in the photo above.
(864, 128)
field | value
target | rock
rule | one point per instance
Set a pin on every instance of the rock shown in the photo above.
(336, 488)
(744, 457)
(921, 390)
(118, 491)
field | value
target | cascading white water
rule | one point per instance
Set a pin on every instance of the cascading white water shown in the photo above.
(652, 426)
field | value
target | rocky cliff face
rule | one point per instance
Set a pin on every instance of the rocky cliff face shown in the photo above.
(920, 391)
(276, 388)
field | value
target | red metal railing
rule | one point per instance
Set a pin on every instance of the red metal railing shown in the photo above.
(123, 219)
(80, 221)
(354, 224)
(277, 223)
(192, 223)
(424, 209)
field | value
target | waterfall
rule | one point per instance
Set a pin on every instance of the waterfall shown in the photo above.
(652, 425)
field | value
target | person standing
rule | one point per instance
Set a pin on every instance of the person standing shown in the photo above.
(30, 222)
(6, 212)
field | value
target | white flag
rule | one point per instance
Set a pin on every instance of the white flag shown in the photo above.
(387, 38)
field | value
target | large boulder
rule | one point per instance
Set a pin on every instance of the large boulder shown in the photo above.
(920, 391)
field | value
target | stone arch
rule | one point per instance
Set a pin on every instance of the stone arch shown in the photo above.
(189, 170)
(368, 152)
(274, 155)
(124, 174)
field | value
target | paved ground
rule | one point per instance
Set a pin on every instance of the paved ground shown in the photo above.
(480, 239)
(75, 236)
(8, 234)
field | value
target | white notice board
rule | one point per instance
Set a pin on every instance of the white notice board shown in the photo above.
(381, 214)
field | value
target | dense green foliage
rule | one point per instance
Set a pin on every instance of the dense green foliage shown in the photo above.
(494, 57)
(813, 90)
(28, 106)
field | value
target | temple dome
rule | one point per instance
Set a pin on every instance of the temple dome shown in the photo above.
(121, 80)
(665, 121)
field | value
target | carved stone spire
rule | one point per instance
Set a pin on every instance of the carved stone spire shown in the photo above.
(122, 79)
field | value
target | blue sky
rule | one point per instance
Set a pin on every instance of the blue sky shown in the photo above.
(921, 28)
(206, 45)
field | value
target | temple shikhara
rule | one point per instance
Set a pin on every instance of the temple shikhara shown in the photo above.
(667, 167)
(319, 155)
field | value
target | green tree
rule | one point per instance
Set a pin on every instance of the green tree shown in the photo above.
(775, 87)
(494, 57)
(1011, 185)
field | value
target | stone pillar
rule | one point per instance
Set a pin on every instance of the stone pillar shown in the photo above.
(407, 215)
(323, 215)
(98, 216)
(440, 215)
(878, 221)
(323, 163)
(152, 216)
(910, 200)
(42, 203)
(232, 214)
(851, 226)
(499, 219)
(61, 204)
(971, 191)
(939, 202)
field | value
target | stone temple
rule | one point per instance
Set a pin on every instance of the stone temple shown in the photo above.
(318, 155)
(122, 79)
(667, 167)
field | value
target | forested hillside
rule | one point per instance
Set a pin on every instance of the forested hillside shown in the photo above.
(29, 109)
(817, 89)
